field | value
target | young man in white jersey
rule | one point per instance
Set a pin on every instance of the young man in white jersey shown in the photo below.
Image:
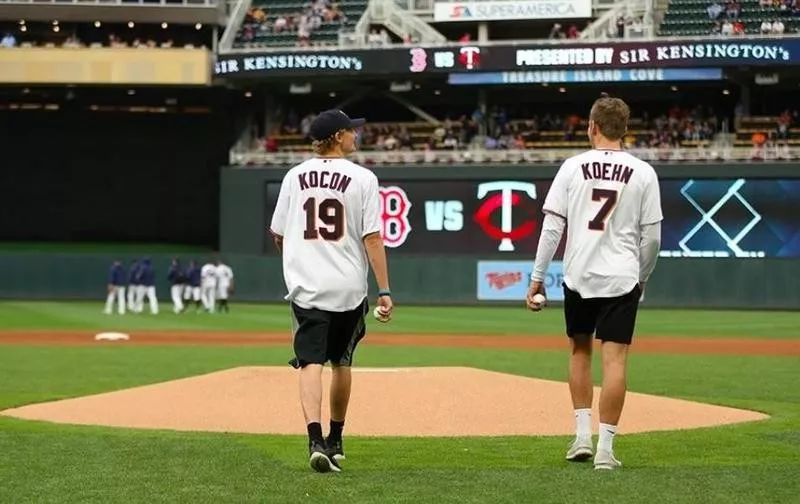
(208, 285)
(224, 286)
(327, 225)
(611, 206)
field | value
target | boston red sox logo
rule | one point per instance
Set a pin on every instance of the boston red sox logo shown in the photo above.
(509, 196)
(395, 206)
(419, 60)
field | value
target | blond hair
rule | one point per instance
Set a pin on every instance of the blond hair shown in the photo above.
(611, 117)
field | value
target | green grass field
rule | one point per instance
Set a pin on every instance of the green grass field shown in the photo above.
(48, 463)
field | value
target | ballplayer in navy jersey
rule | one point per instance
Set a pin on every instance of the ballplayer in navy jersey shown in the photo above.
(610, 203)
(133, 286)
(327, 225)
(192, 290)
(116, 288)
(177, 284)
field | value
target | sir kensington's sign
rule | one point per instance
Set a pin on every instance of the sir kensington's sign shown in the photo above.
(471, 58)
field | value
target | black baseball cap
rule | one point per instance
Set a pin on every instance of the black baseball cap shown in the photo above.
(327, 123)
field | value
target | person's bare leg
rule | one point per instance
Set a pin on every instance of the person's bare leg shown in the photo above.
(341, 383)
(612, 397)
(581, 389)
(311, 399)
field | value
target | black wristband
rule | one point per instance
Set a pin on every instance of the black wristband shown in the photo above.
(384, 293)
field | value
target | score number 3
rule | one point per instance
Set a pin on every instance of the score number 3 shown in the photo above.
(609, 198)
(330, 212)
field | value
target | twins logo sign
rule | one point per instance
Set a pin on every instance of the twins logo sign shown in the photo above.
(395, 206)
(509, 194)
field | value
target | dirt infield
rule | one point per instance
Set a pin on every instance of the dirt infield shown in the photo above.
(649, 344)
(435, 401)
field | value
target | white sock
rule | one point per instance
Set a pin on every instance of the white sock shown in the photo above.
(607, 433)
(583, 422)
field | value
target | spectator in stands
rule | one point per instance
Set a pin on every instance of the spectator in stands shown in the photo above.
(573, 32)
(621, 27)
(784, 121)
(715, 9)
(271, 144)
(280, 24)
(727, 28)
(556, 32)
(716, 28)
(465, 39)
(765, 4)
(738, 27)
(8, 41)
(778, 27)
(766, 26)
(733, 8)
(637, 27)
(305, 125)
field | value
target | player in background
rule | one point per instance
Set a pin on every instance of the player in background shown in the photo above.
(208, 279)
(116, 288)
(327, 224)
(148, 286)
(192, 291)
(224, 286)
(133, 286)
(177, 282)
(610, 203)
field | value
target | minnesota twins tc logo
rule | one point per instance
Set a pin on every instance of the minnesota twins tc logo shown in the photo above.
(509, 196)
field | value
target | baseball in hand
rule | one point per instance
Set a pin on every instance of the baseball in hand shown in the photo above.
(539, 299)
(379, 314)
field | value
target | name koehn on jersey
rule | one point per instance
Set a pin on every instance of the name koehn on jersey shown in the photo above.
(600, 171)
(325, 180)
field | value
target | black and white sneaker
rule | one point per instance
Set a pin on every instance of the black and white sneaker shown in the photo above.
(335, 449)
(320, 460)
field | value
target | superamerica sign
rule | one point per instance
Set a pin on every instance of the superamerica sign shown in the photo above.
(505, 58)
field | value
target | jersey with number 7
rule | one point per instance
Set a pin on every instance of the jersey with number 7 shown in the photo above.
(606, 197)
(325, 208)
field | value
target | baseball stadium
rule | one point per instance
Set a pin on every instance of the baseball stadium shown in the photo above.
(145, 336)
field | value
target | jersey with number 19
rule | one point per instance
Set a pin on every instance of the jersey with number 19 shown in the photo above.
(606, 196)
(325, 208)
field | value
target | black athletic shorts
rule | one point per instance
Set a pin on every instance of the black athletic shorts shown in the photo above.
(321, 336)
(611, 319)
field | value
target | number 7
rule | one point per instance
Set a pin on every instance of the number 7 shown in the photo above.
(610, 197)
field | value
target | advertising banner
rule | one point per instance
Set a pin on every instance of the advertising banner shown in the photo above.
(509, 280)
(104, 66)
(702, 218)
(504, 10)
(687, 53)
(582, 76)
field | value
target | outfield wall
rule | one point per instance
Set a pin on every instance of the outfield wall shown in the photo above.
(450, 235)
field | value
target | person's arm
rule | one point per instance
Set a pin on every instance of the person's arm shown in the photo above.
(552, 230)
(555, 208)
(277, 227)
(373, 243)
(650, 230)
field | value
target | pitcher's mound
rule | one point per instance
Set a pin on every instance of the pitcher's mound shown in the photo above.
(447, 401)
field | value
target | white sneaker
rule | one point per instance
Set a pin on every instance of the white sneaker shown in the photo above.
(581, 449)
(605, 460)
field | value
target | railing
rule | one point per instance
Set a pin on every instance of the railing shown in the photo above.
(550, 156)
(235, 19)
(125, 3)
(527, 42)
(607, 22)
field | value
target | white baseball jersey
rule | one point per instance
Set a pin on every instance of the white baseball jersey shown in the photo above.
(325, 208)
(208, 275)
(224, 275)
(606, 197)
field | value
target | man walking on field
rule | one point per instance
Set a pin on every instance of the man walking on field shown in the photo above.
(327, 224)
(611, 206)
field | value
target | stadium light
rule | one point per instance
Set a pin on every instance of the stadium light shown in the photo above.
(97, 24)
(130, 24)
(164, 25)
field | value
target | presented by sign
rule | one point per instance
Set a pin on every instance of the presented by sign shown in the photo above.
(504, 10)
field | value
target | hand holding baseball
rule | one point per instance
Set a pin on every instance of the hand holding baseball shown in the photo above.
(383, 312)
(536, 299)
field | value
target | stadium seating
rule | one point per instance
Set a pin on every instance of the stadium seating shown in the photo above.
(263, 35)
(766, 125)
(691, 18)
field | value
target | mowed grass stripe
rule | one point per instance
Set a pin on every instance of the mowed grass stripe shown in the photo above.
(408, 319)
